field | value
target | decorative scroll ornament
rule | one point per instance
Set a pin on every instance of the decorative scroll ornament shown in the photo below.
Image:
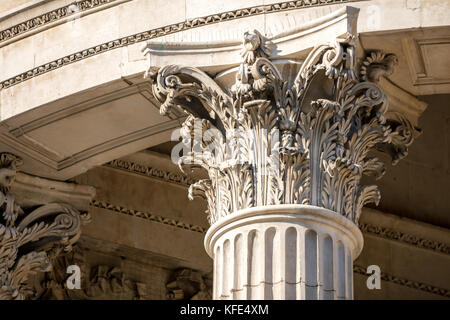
(303, 140)
(29, 240)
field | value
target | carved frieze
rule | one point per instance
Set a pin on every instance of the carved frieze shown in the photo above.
(51, 17)
(97, 281)
(275, 139)
(188, 284)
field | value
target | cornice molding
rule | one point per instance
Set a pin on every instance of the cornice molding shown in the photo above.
(166, 30)
(110, 145)
(151, 172)
(148, 216)
(406, 282)
(31, 191)
(409, 239)
(279, 38)
(176, 178)
(280, 138)
(51, 18)
(356, 268)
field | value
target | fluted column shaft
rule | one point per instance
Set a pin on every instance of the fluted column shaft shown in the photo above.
(292, 252)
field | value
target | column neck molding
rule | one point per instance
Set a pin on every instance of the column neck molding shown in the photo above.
(286, 214)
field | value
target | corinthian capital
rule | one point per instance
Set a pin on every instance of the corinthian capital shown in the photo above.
(30, 237)
(273, 139)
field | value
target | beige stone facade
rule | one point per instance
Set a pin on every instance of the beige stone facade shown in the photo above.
(344, 162)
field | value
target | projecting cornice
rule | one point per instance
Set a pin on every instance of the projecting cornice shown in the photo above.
(37, 223)
(405, 282)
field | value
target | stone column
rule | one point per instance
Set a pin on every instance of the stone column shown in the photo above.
(285, 154)
(283, 252)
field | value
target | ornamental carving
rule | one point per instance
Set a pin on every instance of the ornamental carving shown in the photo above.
(60, 13)
(270, 139)
(98, 281)
(188, 285)
(29, 239)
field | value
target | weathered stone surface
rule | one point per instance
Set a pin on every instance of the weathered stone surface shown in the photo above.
(74, 105)
(278, 149)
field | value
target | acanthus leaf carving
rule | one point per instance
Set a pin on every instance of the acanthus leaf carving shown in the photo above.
(30, 239)
(271, 140)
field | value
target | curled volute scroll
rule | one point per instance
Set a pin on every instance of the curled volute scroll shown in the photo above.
(28, 240)
(308, 140)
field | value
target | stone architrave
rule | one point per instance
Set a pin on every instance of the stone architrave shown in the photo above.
(285, 156)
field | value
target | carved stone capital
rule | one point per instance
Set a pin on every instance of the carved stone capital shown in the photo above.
(274, 139)
(30, 237)
(285, 148)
